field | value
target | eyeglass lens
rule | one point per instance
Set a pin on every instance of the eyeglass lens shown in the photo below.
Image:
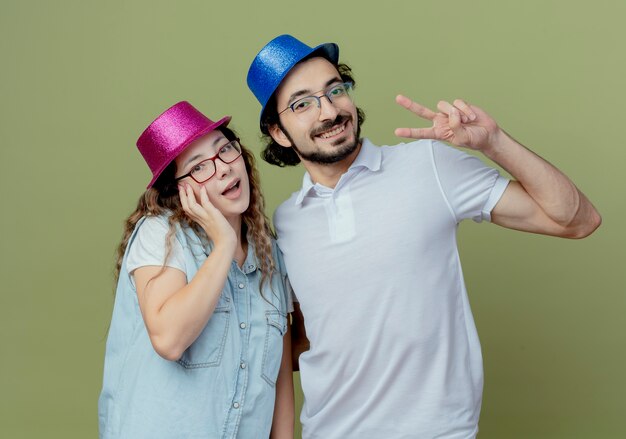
(206, 169)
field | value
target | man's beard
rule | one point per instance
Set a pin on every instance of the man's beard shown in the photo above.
(327, 157)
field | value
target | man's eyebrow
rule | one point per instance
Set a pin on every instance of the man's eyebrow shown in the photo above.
(308, 92)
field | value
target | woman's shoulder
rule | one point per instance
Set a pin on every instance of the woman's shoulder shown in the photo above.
(162, 224)
(152, 227)
(155, 222)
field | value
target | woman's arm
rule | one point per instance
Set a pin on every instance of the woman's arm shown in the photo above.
(174, 311)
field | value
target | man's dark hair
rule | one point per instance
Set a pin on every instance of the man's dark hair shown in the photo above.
(278, 155)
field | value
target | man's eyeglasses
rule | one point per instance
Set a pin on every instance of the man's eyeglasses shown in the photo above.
(335, 93)
(204, 170)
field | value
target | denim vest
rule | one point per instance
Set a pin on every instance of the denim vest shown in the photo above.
(223, 386)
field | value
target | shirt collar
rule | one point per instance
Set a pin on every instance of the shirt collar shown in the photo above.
(251, 263)
(369, 157)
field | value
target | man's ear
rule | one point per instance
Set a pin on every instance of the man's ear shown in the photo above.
(279, 136)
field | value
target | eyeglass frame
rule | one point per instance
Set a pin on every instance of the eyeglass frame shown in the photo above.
(212, 159)
(347, 85)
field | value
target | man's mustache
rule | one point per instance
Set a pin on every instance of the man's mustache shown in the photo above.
(328, 125)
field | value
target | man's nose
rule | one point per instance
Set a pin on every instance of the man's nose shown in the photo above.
(328, 110)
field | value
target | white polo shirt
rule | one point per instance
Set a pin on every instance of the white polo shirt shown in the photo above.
(374, 264)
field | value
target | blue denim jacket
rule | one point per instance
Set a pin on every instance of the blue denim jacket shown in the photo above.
(224, 384)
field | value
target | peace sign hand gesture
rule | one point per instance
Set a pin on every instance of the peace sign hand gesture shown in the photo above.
(459, 123)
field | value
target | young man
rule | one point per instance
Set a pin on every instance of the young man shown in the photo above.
(370, 246)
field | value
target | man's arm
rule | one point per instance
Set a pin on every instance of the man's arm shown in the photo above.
(299, 341)
(541, 199)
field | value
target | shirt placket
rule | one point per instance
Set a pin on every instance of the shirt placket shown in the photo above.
(241, 297)
(340, 215)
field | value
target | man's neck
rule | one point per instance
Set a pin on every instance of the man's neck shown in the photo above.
(328, 174)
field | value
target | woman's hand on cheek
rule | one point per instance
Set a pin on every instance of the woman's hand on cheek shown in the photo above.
(217, 228)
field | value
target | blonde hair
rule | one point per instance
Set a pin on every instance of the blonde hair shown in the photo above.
(162, 198)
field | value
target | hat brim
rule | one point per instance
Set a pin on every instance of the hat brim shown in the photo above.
(224, 121)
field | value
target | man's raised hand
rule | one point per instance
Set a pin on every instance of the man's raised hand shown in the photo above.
(459, 123)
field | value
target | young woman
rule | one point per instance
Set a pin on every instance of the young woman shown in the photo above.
(199, 345)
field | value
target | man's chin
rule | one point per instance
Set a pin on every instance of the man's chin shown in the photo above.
(338, 153)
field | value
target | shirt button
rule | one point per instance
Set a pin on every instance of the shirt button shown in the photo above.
(241, 286)
(242, 325)
(236, 405)
(242, 365)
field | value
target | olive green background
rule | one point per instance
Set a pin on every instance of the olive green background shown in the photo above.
(80, 80)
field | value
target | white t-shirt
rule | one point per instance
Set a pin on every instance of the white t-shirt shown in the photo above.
(149, 247)
(374, 264)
